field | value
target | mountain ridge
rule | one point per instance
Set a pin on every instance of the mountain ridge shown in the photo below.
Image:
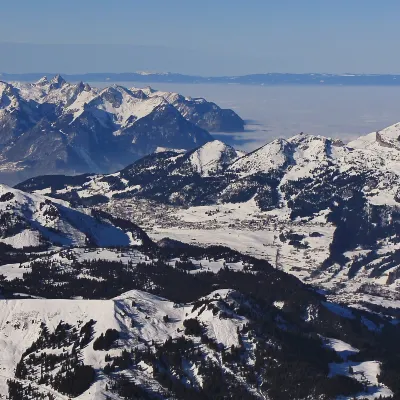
(56, 126)
(154, 317)
(322, 210)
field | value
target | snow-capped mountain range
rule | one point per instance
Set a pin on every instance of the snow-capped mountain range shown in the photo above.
(325, 211)
(109, 292)
(56, 126)
(374, 159)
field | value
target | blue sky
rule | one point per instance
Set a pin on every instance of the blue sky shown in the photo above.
(200, 37)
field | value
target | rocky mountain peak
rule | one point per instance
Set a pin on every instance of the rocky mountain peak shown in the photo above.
(57, 81)
(148, 90)
(9, 98)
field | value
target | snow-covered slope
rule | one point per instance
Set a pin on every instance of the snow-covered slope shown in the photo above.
(206, 339)
(205, 114)
(31, 220)
(139, 319)
(212, 158)
(388, 137)
(272, 156)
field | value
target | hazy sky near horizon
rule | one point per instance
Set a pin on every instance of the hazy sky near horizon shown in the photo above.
(207, 37)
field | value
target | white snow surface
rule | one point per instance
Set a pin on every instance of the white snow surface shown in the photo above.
(365, 372)
(211, 157)
(342, 348)
(20, 326)
(45, 220)
(388, 137)
(271, 156)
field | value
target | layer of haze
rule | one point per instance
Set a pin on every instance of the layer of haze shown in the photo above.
(225, 37)
(341, 112)
(205, 37)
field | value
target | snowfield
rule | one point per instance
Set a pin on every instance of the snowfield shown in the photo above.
(20, 326)
(34, 220)
(366, 373)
